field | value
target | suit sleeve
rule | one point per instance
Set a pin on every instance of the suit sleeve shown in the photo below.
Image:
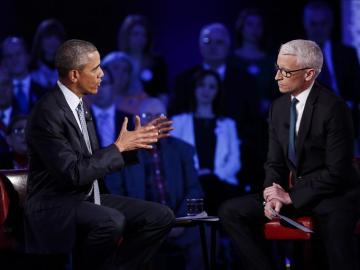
(48, 139)
(333, 178)
(275, 166)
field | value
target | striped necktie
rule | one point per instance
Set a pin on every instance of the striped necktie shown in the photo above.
(81, 114)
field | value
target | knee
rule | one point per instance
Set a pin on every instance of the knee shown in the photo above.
(113, 228)
(162, 214)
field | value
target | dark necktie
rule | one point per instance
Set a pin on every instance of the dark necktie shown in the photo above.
(81, 114)
(21, 98)
(292, 132)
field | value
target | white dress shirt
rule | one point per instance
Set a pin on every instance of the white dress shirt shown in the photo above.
(302, 97)
(72, 100)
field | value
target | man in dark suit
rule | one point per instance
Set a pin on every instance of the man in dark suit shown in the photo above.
(15, 59)
(60, 213)
(311, 136)
(6, 109)
(341, 70)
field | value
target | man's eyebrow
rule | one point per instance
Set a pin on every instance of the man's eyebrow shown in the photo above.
(95, 68)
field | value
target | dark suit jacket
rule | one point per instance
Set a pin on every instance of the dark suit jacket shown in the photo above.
(324, 148)
(61, 173)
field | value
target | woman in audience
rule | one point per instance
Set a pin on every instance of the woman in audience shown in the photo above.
(128, 95)
(48, 37)
(251, 55)
(150, 71)
(215, 139)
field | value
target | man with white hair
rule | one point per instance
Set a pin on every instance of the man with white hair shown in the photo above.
(311, 137)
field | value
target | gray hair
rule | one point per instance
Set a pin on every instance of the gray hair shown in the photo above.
(72, 54)
(308, 53)
(207, 29)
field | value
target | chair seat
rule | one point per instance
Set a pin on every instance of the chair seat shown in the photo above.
(274, 230)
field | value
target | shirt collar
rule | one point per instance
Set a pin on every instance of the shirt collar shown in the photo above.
(302, 97)
(71, 98)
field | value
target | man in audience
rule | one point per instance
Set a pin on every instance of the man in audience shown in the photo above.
(310, 135)
(165, 174)
(341, 70)
(238, 96)
(15, 60)
(6, 109)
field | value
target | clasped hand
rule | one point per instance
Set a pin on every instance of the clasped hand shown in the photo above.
(142, 137)
(275, 197)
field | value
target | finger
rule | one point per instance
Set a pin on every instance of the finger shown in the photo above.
(124, 125)
(148, 129)
(137, 122)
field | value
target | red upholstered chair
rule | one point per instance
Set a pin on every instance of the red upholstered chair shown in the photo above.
(12, 196)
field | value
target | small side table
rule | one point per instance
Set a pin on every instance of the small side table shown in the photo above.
(211, 221)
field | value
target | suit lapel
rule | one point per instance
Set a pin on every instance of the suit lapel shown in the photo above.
(70, 116)
(66, 109)
(306, 120)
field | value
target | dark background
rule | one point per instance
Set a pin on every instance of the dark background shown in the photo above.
(175, 24)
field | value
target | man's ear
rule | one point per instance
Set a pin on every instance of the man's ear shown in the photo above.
(73, 75)
(309, 75)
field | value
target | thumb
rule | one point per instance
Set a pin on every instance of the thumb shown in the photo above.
(124, 125)
(137, 122)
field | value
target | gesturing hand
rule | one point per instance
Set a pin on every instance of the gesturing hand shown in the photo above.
(141, 137)
(162, 125)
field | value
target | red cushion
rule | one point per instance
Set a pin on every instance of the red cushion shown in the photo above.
(274, 230)
(4, 202)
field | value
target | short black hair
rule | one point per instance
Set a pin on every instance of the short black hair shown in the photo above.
(71, 55)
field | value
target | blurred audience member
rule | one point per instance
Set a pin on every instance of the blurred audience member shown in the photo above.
(150, 71)
(341, 71)
(48, 37)
(165, 174)
(6, 108)
(237, 99)
(127, 96)
(250, 53)
(215, 139)
(15, 60)
(108, 119)
(17, 157)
